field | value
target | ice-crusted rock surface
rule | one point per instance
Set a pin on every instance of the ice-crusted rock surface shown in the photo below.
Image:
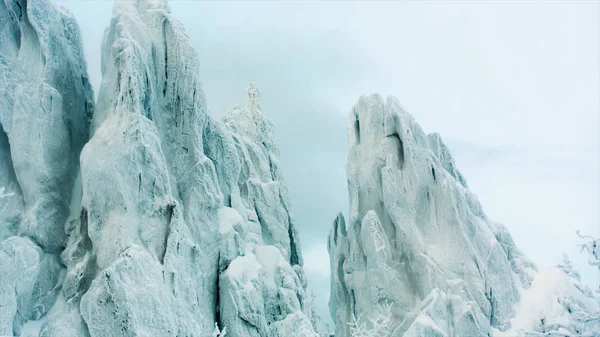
(45, 111)
(417, 238)
(166, 221)
(262, 284)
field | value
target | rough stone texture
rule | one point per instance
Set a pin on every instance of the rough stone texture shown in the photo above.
(417, 237)
(45, 112)
(125, 299)
(28, 283)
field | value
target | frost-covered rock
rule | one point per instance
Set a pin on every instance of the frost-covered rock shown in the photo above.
(45, 112)
(149, 195)
(125, 298)
(261, 193)
(419, 241)
(417, 238)
(262, 285)
(258, 290)
(185, 181)
(142, 230)
(27, 283)
(294, 324)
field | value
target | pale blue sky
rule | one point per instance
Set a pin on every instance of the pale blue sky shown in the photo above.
(512, 87)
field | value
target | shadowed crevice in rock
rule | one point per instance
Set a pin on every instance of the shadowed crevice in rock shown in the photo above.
(357, 131)
(400, 147)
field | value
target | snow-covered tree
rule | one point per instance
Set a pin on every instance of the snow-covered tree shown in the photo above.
(591, 321)
(567, 267)
(592, 247)
(380, 326)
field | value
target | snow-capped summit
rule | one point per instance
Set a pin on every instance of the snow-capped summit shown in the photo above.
(417, 241)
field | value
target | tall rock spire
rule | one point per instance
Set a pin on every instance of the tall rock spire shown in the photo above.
(418, 254)
(417, 239)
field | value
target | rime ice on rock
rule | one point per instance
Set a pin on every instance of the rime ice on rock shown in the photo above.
(149, 234)
(263, 291)
(417, 238)
(45, 111)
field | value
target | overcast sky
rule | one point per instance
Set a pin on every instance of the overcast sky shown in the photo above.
(512, 87)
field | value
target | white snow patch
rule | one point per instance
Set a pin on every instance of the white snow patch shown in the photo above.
(228, 217)
(246, 265)
(270, 258)
(542, 301)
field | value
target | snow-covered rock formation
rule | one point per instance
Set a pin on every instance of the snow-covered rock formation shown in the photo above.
(45, 111)
(417, 238)
(262, 284)
(166, 221)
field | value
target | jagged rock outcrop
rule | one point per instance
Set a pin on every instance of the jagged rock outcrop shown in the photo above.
(417, 238)
(45, 111)
(160, 224)
(262, 286)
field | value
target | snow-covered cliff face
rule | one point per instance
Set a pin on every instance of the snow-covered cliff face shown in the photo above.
(166, 221)
(417, 238)
(45, 112)
(262, 286)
